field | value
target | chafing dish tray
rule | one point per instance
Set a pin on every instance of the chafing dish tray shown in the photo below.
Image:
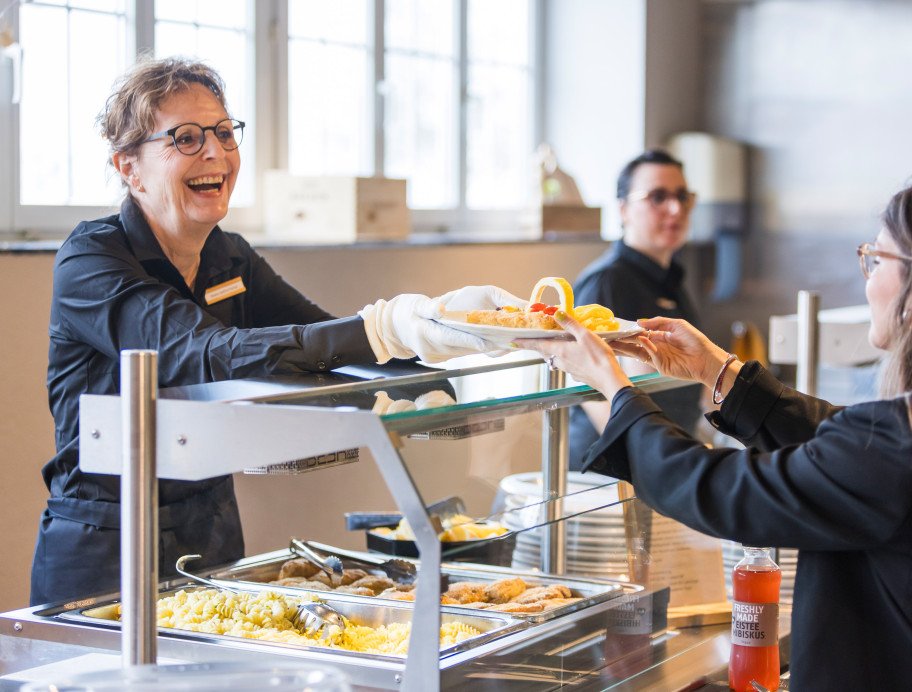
(370, 613)
(258, 570)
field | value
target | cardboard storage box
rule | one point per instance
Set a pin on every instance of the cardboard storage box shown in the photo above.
(553, 219)
(334, 209)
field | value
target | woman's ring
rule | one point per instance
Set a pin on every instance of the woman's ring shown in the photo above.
(550, 361)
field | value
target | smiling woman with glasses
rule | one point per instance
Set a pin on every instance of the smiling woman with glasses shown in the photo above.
(162, 275)
(189, 138)
(833, 481)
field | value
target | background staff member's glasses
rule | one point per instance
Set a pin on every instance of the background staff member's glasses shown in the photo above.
(869, 257)
(659, 197)
(189, 138)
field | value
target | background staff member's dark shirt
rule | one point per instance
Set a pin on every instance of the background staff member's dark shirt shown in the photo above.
(834, 482)
(115, 289)
(633, 286)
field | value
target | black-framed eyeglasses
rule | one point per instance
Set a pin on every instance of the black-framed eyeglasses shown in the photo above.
(189, 138)
(660, 196)
(869, 257)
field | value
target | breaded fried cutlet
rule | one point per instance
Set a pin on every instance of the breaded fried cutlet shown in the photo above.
(514, 607)
(348, 576)
(302, 584)
(298, 568)
(504, 590)
(374, 583)
(356, 590)
(467, 591)
(542, 593)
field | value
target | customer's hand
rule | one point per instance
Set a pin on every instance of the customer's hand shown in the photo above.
(587, 358)
(676, 349)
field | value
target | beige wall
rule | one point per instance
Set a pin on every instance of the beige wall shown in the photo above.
(276, 507)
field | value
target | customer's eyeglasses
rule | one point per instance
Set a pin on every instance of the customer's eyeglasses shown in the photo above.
(869, 258)
(660, 196)
(189, 138)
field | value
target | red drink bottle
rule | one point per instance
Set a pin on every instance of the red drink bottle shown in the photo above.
(755, 622)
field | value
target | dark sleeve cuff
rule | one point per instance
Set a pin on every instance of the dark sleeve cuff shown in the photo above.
(608, 455)
(749, 402)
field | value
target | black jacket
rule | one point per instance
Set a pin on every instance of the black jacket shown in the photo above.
(836, 483)
(634, 287)
(115, 289)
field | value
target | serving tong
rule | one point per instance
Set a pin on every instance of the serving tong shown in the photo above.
(330, 564)
(309, 618)
(398, 570)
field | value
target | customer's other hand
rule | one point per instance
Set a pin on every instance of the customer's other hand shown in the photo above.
(676, 349)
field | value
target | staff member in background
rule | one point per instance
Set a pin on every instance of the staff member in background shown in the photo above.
(162, 275)
(639, 276)
(834, 482)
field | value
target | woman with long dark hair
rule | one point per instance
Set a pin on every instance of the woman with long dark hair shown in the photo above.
(833, 482)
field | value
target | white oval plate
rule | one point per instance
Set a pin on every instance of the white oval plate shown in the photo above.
(502, 336)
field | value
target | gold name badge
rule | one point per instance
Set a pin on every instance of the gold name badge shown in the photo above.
(224, 290)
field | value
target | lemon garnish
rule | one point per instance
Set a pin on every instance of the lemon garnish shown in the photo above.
(563, 288)
(596, 318)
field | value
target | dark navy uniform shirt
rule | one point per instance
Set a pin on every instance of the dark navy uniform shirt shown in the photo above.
(634, 286)
(834, 482)
(115, 289)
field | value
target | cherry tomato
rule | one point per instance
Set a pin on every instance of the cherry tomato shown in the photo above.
(550, 310)
(537, 307)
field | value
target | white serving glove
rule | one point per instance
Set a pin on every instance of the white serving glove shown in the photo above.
(404, 327)
(479, 298)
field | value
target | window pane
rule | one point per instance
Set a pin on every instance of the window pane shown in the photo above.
(499, 110)
(67, 76)
(339, 21)
(487, 40)
(98, 5)
(421, 127)
(221, 35)
(498, 138)
(425, 26)
(330, 88)
(329, 110)
(228, 14)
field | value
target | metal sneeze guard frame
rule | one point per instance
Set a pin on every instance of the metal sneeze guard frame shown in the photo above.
(195, 440)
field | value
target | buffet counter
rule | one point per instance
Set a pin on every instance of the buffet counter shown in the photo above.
(592, 648)
(607, 631)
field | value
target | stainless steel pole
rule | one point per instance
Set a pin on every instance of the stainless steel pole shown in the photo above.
(138, 507)
(808, 341)
(555, 464)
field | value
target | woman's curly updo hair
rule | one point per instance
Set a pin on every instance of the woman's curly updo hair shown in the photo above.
(897, 373)
(129, 113)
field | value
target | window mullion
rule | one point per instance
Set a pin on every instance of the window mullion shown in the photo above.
(142, 23)
(379, 87)
(271, 84)
(462, 23)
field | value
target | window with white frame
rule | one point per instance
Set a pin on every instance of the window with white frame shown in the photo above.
(435, 91)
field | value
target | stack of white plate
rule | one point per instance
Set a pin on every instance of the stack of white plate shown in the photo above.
(788, 562)
(596, 545)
